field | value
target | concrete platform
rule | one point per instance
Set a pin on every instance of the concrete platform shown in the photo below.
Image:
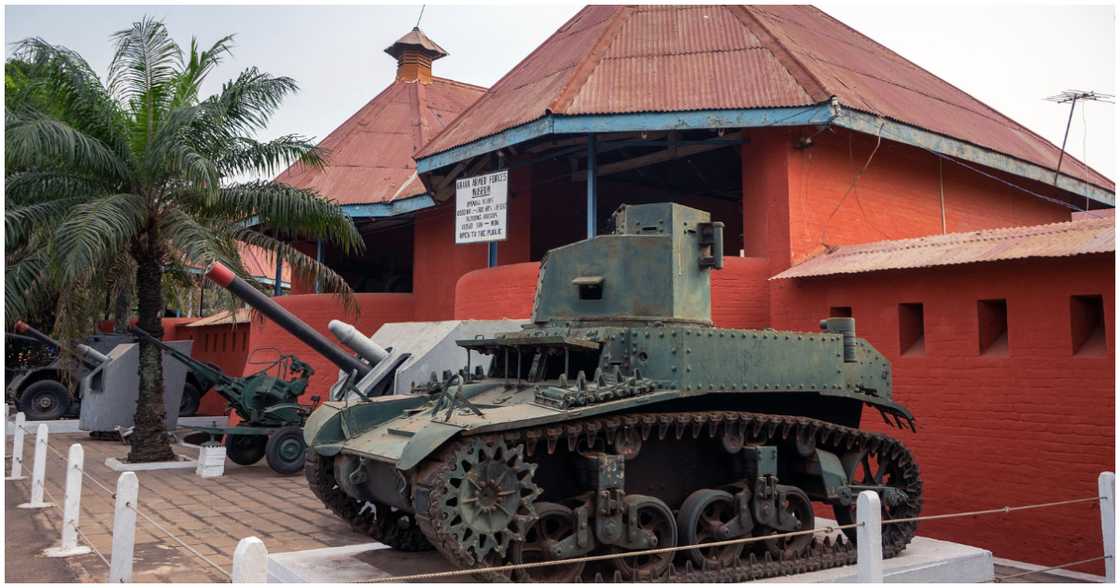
(925, 560)
(71, 425)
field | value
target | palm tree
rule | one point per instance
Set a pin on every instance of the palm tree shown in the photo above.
(140, 175)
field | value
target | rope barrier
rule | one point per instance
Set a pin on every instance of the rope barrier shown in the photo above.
(78, 528)
(177, 539)
(511, 567)
(609, 556)
(142, 514)
(999, 579)
(1001, 510)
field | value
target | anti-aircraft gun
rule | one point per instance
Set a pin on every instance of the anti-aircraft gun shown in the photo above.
(271, 417)
(564, 447)
(38, 392)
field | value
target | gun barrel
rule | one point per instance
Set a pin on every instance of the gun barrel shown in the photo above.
(25, 329)
(351, 337)
(225, 278)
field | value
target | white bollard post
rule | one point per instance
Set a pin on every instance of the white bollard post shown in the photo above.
(72, 511)
(1106, 488)
(17, 449)
(869, 538)
(250, 562)
(38, 470)
(124, 527)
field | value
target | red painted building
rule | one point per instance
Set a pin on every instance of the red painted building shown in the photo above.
(809, 141)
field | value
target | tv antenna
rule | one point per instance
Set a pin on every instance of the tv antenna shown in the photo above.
(1072, 96)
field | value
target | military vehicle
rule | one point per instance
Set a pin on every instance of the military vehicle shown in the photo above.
(622, 420)
(38, 377)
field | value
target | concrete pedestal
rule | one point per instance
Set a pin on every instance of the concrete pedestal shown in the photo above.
(925, 560)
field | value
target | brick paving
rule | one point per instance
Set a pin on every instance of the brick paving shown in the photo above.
(210, 515)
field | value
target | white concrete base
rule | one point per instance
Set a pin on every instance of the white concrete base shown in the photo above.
(72, 551)
(329, 564)
(1029, 567)
(925, 560)
(184, 463)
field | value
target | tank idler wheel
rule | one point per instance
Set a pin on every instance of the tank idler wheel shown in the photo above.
(285, 449)
(701, 518)
(653, 516)
(245, 450)
(555, 523)
(796, 510)
(45, 400)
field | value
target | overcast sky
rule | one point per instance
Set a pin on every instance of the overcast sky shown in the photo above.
(1010, 57)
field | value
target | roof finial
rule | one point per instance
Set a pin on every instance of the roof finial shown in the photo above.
(415, 53)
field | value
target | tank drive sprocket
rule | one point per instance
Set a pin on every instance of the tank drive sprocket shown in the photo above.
(383, 523)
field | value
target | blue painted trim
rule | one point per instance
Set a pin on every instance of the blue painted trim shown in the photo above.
(386, 209)
(639, 121)
(944, 145)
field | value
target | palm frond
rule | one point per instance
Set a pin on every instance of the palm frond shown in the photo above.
(297, 213)
(146, 58)
(248, 156)
(95, 232)
(303, 266)
(23, 221)
(31, 187)
(36, 141)
(199, 64)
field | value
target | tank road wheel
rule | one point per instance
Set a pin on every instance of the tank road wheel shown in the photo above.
(398, 529)
(245, 450)
(655, 517)
(45, 400)
(285, 450)
(900, 499)
(555, 522)
(701, 516)
(797, 511)
(487, 499)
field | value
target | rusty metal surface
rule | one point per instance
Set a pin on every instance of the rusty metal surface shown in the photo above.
(370, 154)
(1094, 235)
(611, 59)
(223, 318)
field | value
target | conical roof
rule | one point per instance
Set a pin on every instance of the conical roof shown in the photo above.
(630, 59)
(370, 154)
(416, 40)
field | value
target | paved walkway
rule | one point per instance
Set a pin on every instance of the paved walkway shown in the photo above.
(210, 515)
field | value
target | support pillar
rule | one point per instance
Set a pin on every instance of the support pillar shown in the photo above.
(592, 186)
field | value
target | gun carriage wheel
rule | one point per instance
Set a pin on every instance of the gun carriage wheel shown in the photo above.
(284, 450)
(245, 450)
(44, 400)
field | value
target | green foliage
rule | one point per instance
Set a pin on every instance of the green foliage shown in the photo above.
(119, 186)
(96, 168)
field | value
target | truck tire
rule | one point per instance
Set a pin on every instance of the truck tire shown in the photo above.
(285, 450)
(188, 404)
(45, 400)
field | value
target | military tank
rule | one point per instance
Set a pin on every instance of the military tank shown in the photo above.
(621, 420)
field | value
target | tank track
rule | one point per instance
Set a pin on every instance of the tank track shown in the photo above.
(320, 477)
(757, 428)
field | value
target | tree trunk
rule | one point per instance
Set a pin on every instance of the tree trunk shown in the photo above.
(149, 439)
(121, 311)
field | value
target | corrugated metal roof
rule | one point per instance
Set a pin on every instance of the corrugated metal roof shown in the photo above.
(1092, 235)
(262, 264)
(623, 59)
(370, 154)
(416, 38)
(223, 318)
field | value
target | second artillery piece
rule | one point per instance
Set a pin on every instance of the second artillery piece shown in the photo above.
(267, 405)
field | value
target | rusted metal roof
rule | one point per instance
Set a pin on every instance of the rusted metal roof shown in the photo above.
(626, 59)
(261, 264)
(223, 318)
(417, 39)
(370, 154)
(1078, 237)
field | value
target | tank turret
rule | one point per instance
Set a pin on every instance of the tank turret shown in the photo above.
(561, 448)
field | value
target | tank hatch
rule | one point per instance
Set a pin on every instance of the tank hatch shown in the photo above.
(623, 276)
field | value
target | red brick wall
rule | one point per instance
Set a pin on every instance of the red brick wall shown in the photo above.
(897, 197)
(499, 292)
(1034, 425)
(439, 263)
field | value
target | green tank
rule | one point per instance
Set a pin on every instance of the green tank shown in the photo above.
(621, 420)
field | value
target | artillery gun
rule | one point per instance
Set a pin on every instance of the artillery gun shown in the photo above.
(267, 406)
(622, 420)
(39, 391)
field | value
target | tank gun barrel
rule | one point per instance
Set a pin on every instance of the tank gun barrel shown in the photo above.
(84, 352)
(225, 278)
(354, 339)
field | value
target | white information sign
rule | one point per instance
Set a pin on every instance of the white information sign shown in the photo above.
(480, 208)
